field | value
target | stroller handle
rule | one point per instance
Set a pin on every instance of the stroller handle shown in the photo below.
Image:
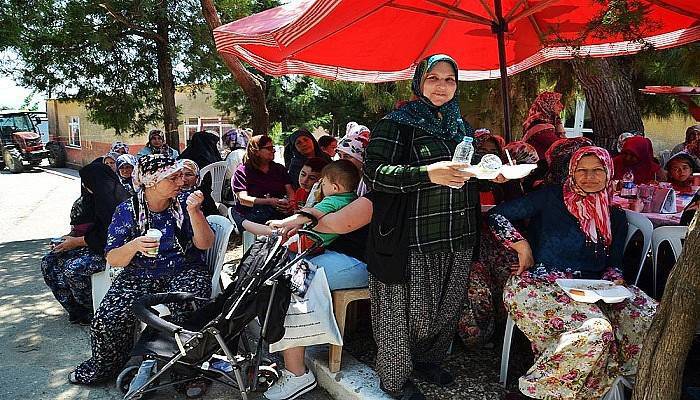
(318, 241)
(144, 312)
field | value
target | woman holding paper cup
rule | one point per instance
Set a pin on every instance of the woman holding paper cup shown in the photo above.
(159, 242)
(580, 348)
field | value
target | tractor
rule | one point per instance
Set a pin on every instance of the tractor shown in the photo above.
(20, 142)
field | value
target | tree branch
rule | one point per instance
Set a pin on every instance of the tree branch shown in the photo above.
(138, 30)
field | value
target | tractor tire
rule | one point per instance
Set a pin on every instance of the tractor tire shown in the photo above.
(57, 158)
(13, 160)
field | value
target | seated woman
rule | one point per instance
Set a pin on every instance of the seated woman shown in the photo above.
(680, 169)
(558, 157)
(262, 186)
(125, 169)
(157, 145)
(690, 145)
(177, 266)
(235, 142)
(580, 348)
(68, 267)
(637, 156)
(192, 181)
(297, 148)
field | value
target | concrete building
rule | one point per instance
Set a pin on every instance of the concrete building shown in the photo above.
(85, 140)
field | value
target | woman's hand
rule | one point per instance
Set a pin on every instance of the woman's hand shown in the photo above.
(69, 243)
(194, 201)
(525, 258)
(144, 244)
(448, 173)
(282, 205)
(500, 179)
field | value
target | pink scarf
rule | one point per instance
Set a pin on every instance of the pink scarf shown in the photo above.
(592, 210)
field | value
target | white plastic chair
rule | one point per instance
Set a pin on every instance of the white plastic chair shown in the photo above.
(101, 282)
(638, 222)
(505, 352)
(671, 234)
(222, 228)
(218, 171)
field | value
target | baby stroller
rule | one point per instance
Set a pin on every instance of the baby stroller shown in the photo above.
(211, 344)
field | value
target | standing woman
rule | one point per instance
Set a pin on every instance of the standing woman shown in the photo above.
(178, 265)
(299, 147)
(415, 321)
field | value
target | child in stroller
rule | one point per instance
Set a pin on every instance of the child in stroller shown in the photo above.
(212, 344)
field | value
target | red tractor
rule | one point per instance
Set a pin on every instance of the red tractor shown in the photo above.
(20, 143)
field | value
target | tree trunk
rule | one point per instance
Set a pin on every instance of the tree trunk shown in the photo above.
(610, 97)
(166, 80)
(253, 87)
(671, 334)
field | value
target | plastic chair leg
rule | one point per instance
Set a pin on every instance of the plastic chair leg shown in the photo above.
(505, 353)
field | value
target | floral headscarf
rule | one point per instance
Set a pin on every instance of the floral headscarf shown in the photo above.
(541, 137)
(126, 159)
(483, 135)
(545, 109)
(355, 141)
(559, 155)
(591, 210)
(150, 170)
(423, 114)
(192, 166)
(521, 153)
(120, 147)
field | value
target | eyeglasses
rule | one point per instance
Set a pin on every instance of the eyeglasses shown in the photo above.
(271, 148)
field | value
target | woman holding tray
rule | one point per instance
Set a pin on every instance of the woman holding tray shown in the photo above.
(574, 232)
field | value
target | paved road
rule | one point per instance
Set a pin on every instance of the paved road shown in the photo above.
(38, 347)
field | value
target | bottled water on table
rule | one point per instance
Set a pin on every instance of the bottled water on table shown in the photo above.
(629, 188)
(464, 153)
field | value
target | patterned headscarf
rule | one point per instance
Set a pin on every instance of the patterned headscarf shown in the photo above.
(192, 166)
(541, 137)
(236, 139)
(126, 159)
(150, 170)
(120, 147)
(592, 210)
(692, 140)
(111, 155)
(483, 135)
(423, 114)
(624, 136)
(559, 155)
(545, 109)
(521, 153)
(355, 141)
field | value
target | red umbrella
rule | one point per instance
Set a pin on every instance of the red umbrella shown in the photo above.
(376, 41)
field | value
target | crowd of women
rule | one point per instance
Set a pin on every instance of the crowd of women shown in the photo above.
(452, 270)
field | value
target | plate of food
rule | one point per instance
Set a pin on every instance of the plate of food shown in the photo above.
(593, 290)
(686, 90)
(491, 166)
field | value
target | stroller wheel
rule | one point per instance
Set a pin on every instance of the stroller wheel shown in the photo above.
(125, 377)
(267, 376)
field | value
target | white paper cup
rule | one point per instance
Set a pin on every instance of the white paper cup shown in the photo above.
(155, 234)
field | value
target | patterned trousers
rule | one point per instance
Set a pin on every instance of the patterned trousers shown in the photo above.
(68, 274)
(416, 321)
(113, 325)
(580, 348)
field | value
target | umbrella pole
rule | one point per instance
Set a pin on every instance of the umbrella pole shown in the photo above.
(500, 27)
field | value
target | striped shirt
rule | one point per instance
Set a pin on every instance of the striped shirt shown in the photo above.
(441, 218)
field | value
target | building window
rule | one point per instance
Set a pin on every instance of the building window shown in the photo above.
(74, 131)
(218, 125)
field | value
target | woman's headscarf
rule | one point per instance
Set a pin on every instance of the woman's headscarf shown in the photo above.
(692, 140)
(113, 155)
(592, 210)
(202, 149)
(482, 136)
(544, 110)
(119, 146)
(150, 170)
(294, 160)
(165, 149)
(521, 153)
(624, 136)
(423, 114)
(236, 139)
(541, 137)
(558, 157)
(107, 193)
(646, 167)
(355, 141)
(192, 166)
(126, 159)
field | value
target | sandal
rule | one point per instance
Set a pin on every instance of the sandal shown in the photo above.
(409, 391)
(72, 379)
(196, 389)
(433, 373)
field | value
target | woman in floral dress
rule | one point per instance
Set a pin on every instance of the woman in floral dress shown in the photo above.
(580, 348)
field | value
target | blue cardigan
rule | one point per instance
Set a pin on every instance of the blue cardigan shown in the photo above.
(556, 239)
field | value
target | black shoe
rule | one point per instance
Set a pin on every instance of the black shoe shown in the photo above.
(82, 319)
(433, 373)
(409, 391)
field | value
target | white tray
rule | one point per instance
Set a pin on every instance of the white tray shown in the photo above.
(593, 290)
(509, 171)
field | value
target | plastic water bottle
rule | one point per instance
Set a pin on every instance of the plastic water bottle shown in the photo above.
(463, 153)
(629, 188)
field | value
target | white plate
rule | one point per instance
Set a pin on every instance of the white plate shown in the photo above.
(592, 290)
(517, 171)
(509, 171)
